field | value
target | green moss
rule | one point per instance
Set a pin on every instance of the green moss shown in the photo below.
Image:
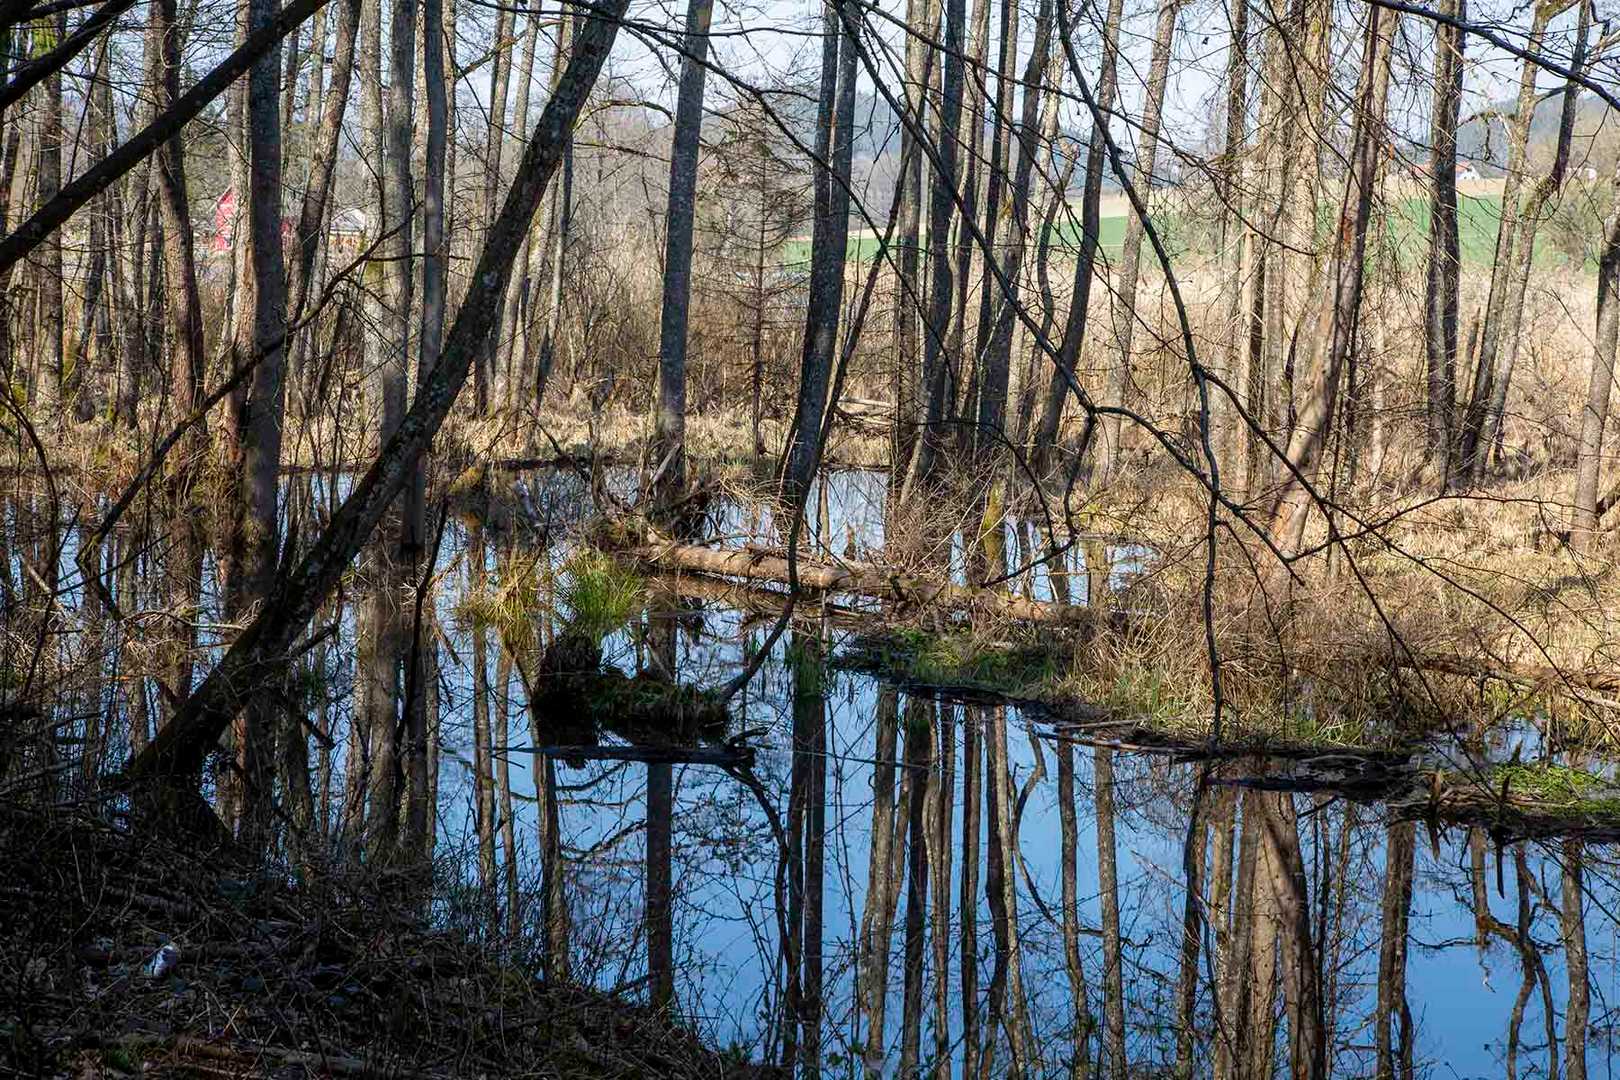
(1549, 783)
(961, 660)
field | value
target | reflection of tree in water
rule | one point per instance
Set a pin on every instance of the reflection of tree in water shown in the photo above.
(958, 890)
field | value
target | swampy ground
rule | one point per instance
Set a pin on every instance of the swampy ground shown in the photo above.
(927, 834)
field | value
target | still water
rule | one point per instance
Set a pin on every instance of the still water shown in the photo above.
(894, 884)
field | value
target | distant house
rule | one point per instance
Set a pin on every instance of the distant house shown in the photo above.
(1466, 172)
(346, 233)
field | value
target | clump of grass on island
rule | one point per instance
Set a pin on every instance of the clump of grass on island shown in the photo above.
(600, 594)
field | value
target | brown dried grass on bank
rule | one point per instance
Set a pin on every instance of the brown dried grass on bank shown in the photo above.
(336, 976)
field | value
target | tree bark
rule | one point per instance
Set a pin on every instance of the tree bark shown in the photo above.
(835, 142)
(1074, 326)
(670, 423)
(1340, 309)
(1125, 314)
(1600, 380)
(1440, 296)
(1473, 443)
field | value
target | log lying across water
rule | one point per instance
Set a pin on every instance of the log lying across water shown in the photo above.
(879, 583)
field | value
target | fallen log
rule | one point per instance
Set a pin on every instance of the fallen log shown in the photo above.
(880, 583)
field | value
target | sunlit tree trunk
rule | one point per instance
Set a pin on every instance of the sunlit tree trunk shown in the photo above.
(1533, 213)
(997, 352)
(495, 138)
(1003, 127)
(1600, 379)
(922, 26)
(559, 216)
(511, 334)
(49, 354)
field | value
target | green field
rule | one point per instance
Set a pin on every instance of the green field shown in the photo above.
(1407, 226)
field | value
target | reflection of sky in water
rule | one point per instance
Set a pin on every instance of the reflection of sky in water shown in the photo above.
(726, 949)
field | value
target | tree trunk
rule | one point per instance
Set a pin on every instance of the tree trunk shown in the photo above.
(1074, 326)
(261, 331)
(1473, 442)
(1535, 210)
(997, 354)
(418, 805)
(47, 372)
(835, 142)
(494, 140)
(670, 424)
(922, 26)
(1600, 380)
(1125, 314)
(1394, 1059)
(1340, 310)
(1440, 297)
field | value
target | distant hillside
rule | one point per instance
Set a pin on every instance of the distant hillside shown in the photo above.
(1484, 140)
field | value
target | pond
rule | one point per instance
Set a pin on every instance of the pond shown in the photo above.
(863, 879)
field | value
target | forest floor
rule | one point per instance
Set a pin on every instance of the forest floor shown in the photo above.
(310, 974)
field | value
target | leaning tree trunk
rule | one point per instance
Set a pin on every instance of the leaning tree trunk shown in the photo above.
(169, 766)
